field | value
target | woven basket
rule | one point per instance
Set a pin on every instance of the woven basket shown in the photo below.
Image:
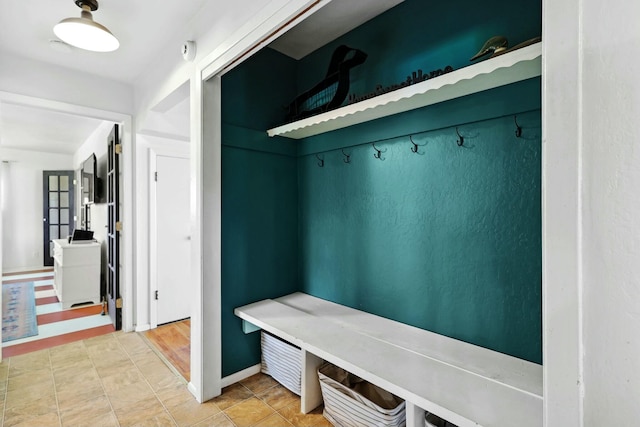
(352, 402)
(282, 361)
(431, 420)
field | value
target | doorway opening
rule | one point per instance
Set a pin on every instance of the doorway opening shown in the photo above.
(164, 162)
(25, 163)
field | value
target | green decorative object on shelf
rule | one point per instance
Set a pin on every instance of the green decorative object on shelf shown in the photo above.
(498, 45)
(492, 46)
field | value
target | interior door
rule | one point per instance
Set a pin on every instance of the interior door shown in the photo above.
(173, 248)
(58, 209)
(114, 301)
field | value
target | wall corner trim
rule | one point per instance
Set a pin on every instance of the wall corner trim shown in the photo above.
(142, 328)
(240, 375)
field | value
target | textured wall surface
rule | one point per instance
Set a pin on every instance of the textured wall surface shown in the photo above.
(259, 201)
(610, 206)
(447, 240)
(259, 242)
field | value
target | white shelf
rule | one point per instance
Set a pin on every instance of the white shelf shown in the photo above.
(521, 64)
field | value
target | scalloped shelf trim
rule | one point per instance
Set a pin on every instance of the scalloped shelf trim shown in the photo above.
(521, 64)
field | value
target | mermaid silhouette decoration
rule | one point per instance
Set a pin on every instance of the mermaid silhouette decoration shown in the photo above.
(332, 90)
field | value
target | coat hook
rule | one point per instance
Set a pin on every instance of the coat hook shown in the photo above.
(378, 154)
(321, 161)
(460, 142)
(518, 127)
(415, 146)
(347, 157)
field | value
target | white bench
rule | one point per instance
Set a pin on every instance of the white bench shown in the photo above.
(463, 383)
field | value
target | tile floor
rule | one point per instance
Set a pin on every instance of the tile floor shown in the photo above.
(118, 380)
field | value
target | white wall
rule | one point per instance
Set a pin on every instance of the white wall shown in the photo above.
(96, 144)
(40, 80)
(217, 27)
(611, 212)
(22, 237)
(591, 173)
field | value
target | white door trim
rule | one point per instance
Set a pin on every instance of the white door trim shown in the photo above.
(153, 240)
(153, 226)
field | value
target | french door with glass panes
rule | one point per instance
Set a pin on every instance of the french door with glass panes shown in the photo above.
(59, 209)
(114, 300)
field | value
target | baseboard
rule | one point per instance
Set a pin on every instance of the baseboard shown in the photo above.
(142, 328)
(229, 380)
(241, 375)
(193, 391)
(25, 270)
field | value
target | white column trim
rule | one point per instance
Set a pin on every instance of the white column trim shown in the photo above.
(562, 213)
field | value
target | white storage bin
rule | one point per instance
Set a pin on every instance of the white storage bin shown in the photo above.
(431, 420)
(352, 402)
(282, 361)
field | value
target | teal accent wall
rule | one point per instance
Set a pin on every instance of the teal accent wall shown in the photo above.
(419, 34)
(448, 239)
(259, 199)
(255, 94)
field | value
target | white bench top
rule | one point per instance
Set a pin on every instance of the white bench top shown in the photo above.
(511, 371)
(466, 384)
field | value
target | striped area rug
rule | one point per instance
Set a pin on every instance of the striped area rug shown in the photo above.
(18, 311)
(55, 325)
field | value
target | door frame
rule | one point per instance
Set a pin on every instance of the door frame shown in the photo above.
(127, 208)
(177, 152)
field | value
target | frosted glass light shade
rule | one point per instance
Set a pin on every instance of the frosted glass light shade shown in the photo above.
(87, 34)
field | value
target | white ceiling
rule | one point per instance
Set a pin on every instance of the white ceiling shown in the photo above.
(333, 20)
(144, 28)
(35, 129)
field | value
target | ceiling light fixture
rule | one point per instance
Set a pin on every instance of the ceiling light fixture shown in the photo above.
(84, 32)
